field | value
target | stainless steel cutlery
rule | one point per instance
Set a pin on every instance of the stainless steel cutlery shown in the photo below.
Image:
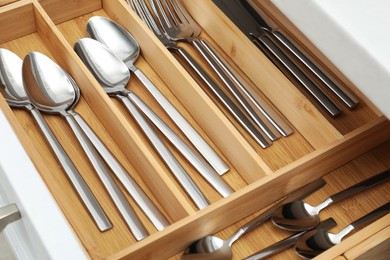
(171, 23)
(283, 53)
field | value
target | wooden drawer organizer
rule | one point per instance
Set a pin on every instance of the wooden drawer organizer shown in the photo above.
(260, 177)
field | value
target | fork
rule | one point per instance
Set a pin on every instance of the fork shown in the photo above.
(140, 7)
(179, 26)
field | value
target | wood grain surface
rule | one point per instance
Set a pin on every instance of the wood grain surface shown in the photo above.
(343, 150)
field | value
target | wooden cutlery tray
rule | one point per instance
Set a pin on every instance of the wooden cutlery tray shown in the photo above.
(319, 145)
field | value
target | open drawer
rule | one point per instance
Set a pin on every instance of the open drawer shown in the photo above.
(259, 176)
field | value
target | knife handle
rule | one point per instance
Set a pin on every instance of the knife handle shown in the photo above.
(266, 44)
(339, 91)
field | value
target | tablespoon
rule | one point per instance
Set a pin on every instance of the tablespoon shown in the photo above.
(317, 241)
(113, 76)
(119, 41)
(212, 247)
(11, 87)
(300, 216)
(52, 90)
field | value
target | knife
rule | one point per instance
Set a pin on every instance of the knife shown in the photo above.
(260, 36)
(350, 101)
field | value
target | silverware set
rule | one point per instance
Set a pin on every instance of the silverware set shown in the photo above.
(171, 24)
(255, 24)
(294, 215)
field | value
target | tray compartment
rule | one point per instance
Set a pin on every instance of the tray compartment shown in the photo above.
(317, 147)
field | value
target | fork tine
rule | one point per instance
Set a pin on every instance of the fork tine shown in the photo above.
(179, 11)
(143, 12)
(161, 14)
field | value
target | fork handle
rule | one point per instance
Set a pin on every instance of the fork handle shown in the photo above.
(340, 92)
(211, 57)
(276, 54)
(263, 141)
(259, 103)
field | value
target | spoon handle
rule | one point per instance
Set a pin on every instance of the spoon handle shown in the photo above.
(375, 180)
(375, 214)
(183, 178)
(77, 180)
(120, 201)
(297, 194)
(195, 138)
(152, 212)
(203, 168)
(288, 242)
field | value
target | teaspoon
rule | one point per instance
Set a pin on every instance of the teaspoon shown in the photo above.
(113, 76)
(212, 247)
(121, 43)
(299, 216)
(11, 87)
(52, 90)
(317, 241)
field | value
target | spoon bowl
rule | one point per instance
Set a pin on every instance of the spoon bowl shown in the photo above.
(115, 37)
(111, 73)
(11, 82)
(53, 91)
(300, 216)
(317, 241)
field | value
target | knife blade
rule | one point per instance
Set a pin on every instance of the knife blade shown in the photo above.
(261, 37)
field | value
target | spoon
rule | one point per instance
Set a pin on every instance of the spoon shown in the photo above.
(288, 242)
(212, 247)
(119, 41)
(315, 242)
(300, 216)
(11, 87)
(113, 76)
(52, 90)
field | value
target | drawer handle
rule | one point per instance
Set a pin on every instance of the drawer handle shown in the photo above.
(8, 214)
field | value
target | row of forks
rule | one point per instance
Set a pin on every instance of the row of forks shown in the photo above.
(171, 24)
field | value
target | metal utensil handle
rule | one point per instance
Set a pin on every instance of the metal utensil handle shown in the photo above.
(8, 214)
(341, 92)
(124, 177)
(175, 167)
(260, 104)
(195, 138)
(203, 168)
(375, 180)
(263, 141)
(77, 180)
(211, 57)
(377, 213)
(120, 201)
(297, 194)
(317, 93)
(288, 242)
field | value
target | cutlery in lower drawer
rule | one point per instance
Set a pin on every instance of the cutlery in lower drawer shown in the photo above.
(288, 242)
(317, 241)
